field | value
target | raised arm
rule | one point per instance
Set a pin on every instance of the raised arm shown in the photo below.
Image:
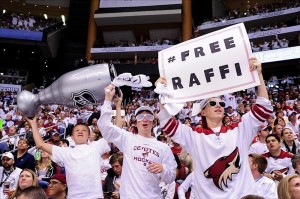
(37, 136)
(261, 89)
(118, 103)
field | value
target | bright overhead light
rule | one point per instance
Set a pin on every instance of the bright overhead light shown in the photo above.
(45, 15)
(4, 11)
(63, 18)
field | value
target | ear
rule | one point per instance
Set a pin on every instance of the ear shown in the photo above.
(203, 113)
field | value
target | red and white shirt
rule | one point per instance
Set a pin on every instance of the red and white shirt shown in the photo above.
(220, 159)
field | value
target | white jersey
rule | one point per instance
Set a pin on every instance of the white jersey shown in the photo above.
(220, 159)
(266, 188)
(137, 182)
(82, 165)
(282, 163)
(258, 148)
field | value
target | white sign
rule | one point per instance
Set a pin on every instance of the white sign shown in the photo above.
(207, 66)
(10, 87)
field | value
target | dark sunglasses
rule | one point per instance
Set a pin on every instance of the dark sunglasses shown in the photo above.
(214, 103)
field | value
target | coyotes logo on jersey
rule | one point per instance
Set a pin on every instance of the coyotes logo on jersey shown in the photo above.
(223, 168)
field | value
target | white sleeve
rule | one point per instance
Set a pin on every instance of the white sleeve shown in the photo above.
(180, 133)
(171, 191)
(251, 121)
(169, 167)
(102, 146)
(109, 131)
(185, 185)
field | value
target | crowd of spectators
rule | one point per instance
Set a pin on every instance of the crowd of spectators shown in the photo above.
(256, 9)
(273, 45)
(57, 121)
(147, 42)
(28, 22)
(152, 60)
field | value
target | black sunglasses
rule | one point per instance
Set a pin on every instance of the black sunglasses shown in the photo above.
(214, 103)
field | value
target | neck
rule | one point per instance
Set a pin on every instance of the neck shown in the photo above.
(213, 123)
(256, 175)
(275, 153)
(60, 196)
(293, 122)
(21, 152)
(8, 168)
(262, 140)
(289, 142)
(146, 135)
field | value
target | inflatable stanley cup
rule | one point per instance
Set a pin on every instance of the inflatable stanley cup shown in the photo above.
(76, 88)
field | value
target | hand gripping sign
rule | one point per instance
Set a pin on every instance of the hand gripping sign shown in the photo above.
(207, 66)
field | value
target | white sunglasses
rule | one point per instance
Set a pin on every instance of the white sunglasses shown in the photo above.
(141, 117)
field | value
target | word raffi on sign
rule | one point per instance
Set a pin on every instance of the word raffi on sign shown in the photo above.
(207, 66)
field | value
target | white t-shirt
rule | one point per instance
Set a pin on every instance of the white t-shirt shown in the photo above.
(137, 182)
(13, 178)
(82, 165)
(104, 167)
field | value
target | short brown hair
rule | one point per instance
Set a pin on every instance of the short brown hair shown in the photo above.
(116, 158)
(260, 160)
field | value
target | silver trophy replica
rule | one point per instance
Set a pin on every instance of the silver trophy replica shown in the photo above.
(73, 89)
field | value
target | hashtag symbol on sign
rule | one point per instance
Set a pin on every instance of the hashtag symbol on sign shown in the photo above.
(171, 59)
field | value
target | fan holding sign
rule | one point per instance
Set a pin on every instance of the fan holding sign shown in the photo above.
(204, 68)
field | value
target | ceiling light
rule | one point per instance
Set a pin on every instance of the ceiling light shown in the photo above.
(4, 11)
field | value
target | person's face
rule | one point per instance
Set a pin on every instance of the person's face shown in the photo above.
(55, 137)
(80, 134)
(27, 128)
(293, 117)
(213, 111)
(251, 164)
(270, 120)
(94, 122)
(281, 121)
(294, 188)
(55, 188)
(44, 154)
(264, 133)
(12, 130)
(278, 129)
(273, 144)
(92, 136)
(288, 135)
(25, 180)
(117, 168)
(7, 162)
(145, 125)
(22, 145)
